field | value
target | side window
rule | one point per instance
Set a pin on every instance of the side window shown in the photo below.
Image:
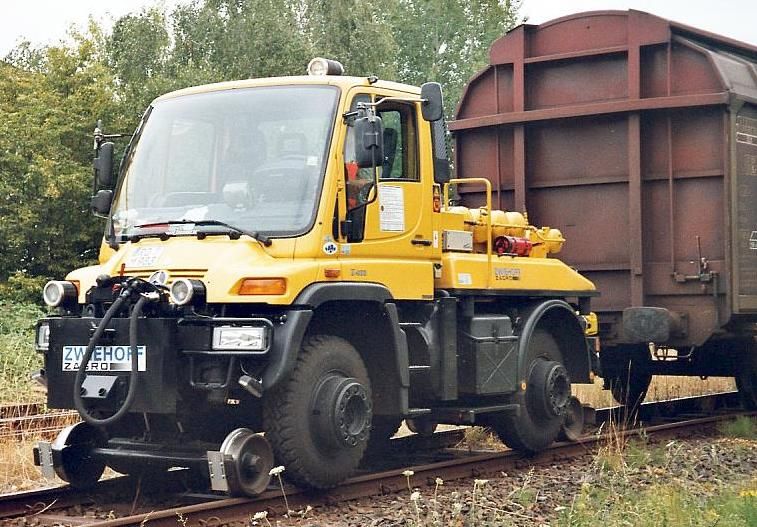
(400, 142)
(359, 180)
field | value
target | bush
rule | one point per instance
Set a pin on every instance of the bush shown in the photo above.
(17, 355)
(22, 289)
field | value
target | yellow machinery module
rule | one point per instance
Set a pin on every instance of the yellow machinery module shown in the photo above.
(284, 279)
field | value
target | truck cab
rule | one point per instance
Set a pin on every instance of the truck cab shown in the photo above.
(285, 278)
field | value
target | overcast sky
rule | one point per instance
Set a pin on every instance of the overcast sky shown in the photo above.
(47, 21)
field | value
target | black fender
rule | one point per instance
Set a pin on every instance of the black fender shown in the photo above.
(558, 317)
(319, 293)
(287, 341)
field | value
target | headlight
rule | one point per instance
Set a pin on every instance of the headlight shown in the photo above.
(320, 66)
(56, 292)
(184, 290)
(240, 338)
(43, 336)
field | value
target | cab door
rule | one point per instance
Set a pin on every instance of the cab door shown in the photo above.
(396, 248)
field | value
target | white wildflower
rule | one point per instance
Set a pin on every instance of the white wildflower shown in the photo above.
(275, 471)
(262, 515)
(439, 482)
(415, 496)
(480, 482)
(408, 473)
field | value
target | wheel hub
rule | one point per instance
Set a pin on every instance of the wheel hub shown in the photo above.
(549, 388)
(341, 412)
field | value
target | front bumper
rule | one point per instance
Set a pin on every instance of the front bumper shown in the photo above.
(173, 353)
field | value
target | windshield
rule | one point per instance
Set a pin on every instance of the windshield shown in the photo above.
(253, 158)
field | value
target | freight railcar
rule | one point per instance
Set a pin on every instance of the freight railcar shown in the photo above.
(637, 136)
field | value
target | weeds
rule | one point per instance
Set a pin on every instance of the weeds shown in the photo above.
(743, 427)
(17, 355)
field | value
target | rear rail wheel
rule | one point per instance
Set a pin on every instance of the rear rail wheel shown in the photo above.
(573, 427)
(383, 428)
(422, 426)
(319, 420)
(544, 402)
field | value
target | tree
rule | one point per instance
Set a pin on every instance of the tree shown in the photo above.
(45, 159)
(448, 40)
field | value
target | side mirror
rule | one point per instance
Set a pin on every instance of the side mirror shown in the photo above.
(101, 202)
(103, 164)
(432, 107)
(369, 141)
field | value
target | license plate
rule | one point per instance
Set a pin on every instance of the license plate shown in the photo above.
(104, 358)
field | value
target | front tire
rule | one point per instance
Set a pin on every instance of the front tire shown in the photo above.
(544, 402)
(318, 420)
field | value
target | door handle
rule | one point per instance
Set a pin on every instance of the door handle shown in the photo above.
(418, 241)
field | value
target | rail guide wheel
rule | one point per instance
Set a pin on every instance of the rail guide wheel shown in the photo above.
(573, 426)
(247, 460)
(72, 457)
(422, 426)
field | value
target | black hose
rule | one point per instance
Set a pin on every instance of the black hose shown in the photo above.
(132, 393)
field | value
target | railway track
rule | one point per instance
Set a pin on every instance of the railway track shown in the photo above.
(428, 458)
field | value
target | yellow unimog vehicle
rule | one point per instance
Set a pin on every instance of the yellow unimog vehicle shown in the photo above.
(284, 278)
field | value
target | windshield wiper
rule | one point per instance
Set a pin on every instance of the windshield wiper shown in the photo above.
(232, 231)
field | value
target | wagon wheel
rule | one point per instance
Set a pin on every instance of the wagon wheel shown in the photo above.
(746, 380)
(318, 421)
(628, 378)
(544, 402)
(77, 466)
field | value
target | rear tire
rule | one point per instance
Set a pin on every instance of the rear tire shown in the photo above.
(544, 402)
(318, 420)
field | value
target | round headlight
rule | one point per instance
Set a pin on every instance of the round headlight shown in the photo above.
(184, 290)
(321, 66)
(56, 292)
(181, 291)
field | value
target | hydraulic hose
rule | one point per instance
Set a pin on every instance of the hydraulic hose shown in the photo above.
(80, 375)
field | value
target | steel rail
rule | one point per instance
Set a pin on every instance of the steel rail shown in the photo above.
(406, 453)
(462, 464)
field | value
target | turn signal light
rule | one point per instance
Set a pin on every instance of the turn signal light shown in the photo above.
(263, 286)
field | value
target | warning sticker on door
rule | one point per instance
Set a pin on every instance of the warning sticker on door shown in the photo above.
(391, 209)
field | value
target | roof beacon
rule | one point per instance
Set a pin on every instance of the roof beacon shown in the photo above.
(321, 66)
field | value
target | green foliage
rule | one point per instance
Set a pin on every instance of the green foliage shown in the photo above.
(22, 289)
(45, 157)
(671, 505)
(51, 97)
(743, 427)
(17, 355)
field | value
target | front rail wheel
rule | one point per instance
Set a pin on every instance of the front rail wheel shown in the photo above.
(74, 445)
(544, 402)
(318, 421)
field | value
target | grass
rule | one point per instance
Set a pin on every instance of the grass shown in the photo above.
(17, 355)
(665, 504)
(742, 427)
